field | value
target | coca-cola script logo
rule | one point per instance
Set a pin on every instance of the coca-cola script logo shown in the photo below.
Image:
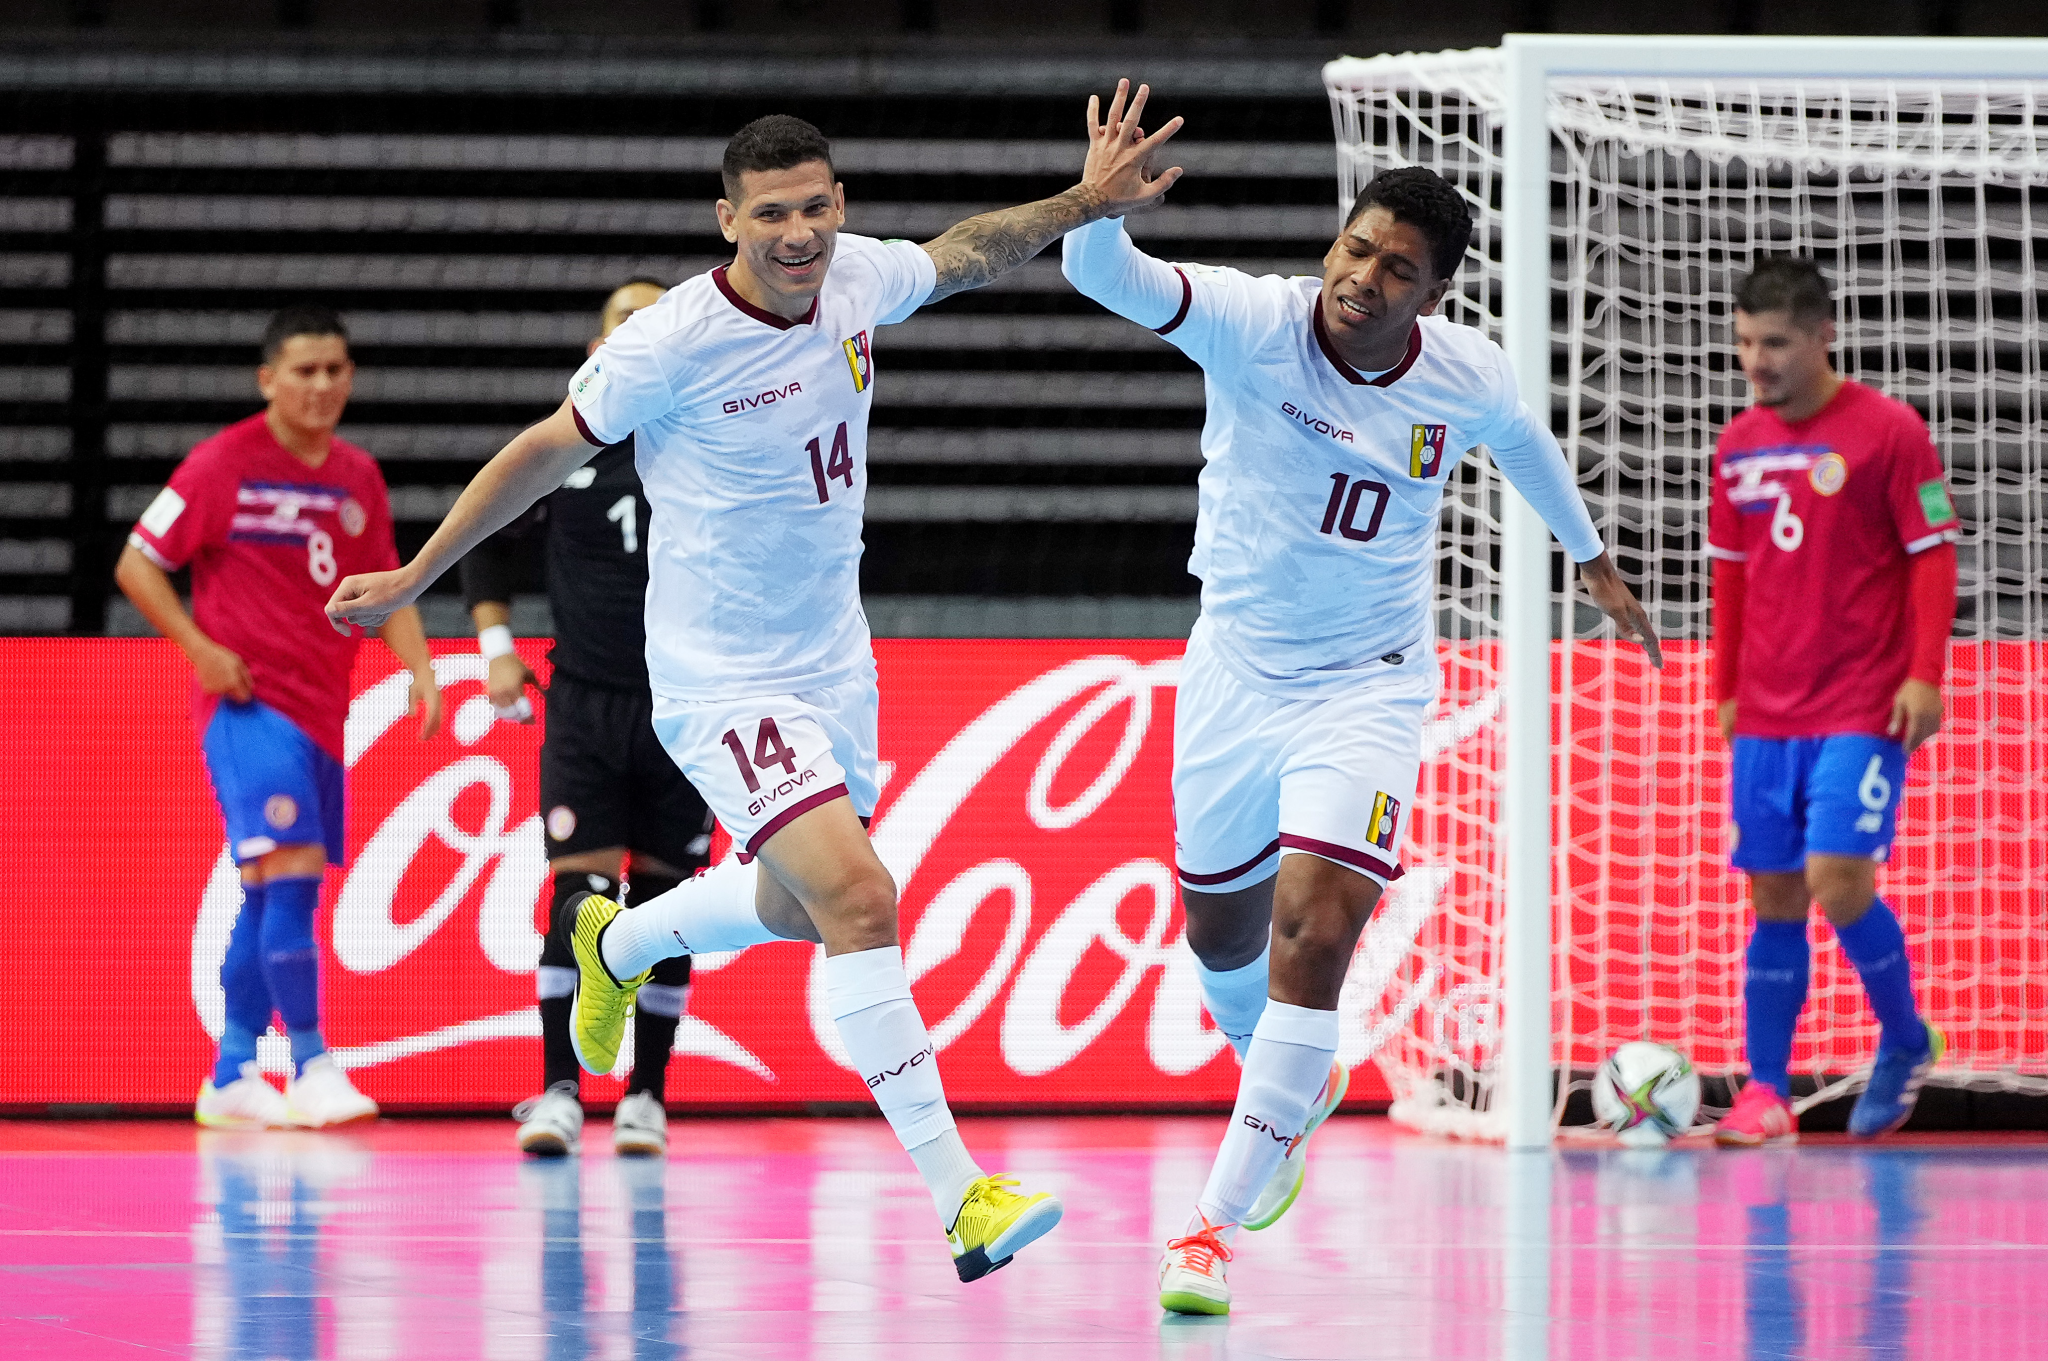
(1026, 816)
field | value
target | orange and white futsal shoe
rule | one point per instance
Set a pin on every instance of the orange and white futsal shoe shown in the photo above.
(1760, 1116)
(1191, 1273)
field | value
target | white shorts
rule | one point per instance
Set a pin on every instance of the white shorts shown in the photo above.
(1330, 774)
(762, 761)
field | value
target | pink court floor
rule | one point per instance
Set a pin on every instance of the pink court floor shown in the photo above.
(812, 1238)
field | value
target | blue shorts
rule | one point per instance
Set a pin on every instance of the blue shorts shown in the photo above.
(276, 786)
(1801, 796)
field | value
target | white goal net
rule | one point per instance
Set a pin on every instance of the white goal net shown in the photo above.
(1927, 203)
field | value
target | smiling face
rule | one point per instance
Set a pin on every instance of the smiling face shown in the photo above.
(307, 383)
(784, 225)
(1786, 361)
(1377, 279)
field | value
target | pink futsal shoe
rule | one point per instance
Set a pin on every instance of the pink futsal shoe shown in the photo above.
(1760, 1116)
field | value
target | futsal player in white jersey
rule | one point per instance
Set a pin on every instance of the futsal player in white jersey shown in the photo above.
(747, 391)
(1337, 409)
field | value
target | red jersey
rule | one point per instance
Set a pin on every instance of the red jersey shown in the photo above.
(267, 538)
(1824, 514)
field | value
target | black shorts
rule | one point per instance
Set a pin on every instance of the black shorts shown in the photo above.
(605, 781)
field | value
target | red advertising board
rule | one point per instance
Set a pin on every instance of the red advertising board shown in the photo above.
(1026, 815)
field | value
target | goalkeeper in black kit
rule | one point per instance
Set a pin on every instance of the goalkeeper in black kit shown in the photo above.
(614, 804)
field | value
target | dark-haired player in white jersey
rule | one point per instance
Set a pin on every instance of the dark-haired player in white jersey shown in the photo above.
(747, 391)
(1338, 407)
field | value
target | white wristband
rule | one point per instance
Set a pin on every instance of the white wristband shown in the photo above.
(494, 642)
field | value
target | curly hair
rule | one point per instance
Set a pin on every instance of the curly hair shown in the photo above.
(1428, 202)
(776, 142)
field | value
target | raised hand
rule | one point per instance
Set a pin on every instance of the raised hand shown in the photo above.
(1114, 181)
(1119, 154)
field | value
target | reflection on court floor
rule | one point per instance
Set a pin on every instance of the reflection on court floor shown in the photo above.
(813, 1238)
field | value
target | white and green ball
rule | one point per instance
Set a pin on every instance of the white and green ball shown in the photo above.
(1647, 1093)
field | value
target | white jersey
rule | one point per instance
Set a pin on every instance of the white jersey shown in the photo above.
(1316, 532)
(751, 437)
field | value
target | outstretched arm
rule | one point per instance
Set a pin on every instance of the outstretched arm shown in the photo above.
(1114, 181)
(1529, 456)
(528, 468)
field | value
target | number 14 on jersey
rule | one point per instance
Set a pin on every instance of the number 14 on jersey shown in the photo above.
(825, 467)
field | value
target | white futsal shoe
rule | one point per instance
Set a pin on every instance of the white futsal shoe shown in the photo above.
(248, 1102)
(640, 1127)
(1191, 1273)
(1284, 1186)
(323, 1096)
(551, 1124)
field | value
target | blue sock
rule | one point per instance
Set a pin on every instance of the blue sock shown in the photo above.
(1773, 994)
(291, 962)
(247, 995)
(1877, 947)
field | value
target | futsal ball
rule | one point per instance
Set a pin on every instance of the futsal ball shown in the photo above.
(1647, 1093)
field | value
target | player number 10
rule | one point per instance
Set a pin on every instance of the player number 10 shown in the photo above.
(1341, 515)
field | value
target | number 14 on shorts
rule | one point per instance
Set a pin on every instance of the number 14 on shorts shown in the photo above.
(770, 753)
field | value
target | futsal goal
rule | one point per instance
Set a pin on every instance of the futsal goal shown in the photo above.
(1621, 185)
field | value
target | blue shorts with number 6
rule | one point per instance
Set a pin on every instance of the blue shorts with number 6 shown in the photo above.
(1801, 796)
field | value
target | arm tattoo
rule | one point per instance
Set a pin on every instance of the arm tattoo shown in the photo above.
(985, 248)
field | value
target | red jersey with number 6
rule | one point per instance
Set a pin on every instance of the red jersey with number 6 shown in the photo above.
(267, 538)
(1824, 514)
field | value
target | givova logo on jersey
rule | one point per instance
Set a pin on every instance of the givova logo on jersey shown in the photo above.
(858, 360)
(1426, 449)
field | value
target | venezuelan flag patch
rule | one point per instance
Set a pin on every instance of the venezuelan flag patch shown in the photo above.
(858, 360)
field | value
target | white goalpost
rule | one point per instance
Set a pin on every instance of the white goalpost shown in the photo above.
(1620, 186)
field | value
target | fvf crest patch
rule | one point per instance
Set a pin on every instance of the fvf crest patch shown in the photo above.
(1426, 449)
(858, 361)
(1386, 809)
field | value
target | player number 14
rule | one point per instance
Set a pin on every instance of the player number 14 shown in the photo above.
(838, 464)
(769, 751)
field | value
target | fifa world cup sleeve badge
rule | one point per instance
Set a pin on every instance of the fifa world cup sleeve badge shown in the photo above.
(1426, 450)
(858, 361)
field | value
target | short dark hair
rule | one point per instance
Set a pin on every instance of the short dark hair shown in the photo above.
(776, 142)
(300, 319)
(1787, 283)
(1426, 201)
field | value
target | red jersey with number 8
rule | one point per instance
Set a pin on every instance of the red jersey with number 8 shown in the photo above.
(1824, 514)
(267, 538)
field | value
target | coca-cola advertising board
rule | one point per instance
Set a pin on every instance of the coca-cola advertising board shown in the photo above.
(1026, 815)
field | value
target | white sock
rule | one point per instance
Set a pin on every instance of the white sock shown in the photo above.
(948, 1170)
(553, 980)
(1284, 1069)
(663, 999)
(705, 915)
(869, 997)
(1236, 998)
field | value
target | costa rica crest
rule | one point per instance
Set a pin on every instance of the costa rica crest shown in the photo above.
(1426, 449)
(857, 360)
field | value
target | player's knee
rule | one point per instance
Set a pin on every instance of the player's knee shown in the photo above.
(1227, 930)
(863, 906)
(1844, 887)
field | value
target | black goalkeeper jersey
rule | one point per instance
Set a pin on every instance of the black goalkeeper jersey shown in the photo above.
(589, 537)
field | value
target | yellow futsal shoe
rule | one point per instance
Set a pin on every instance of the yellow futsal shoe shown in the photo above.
(1284, 1186)
(598, 1011)
(994, 1222)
